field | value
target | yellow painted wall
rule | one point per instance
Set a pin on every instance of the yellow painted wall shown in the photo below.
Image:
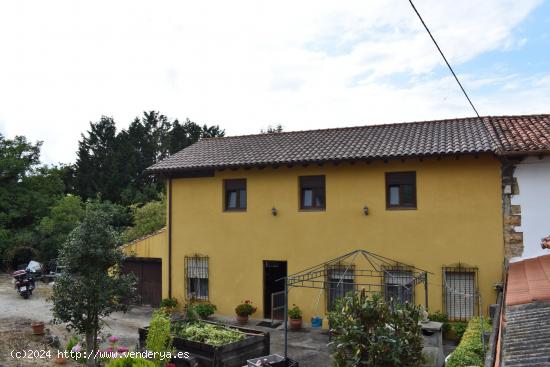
(459, 219)
(153, 246)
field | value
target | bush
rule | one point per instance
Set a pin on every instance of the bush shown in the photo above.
(204, 310)
(443, 318)
(159, 338)
(470, 350)
(169, 303)
(130, 362)
(245, 309)
(370, 332)
(459, 328)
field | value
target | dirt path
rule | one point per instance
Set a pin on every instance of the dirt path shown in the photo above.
(16, 315)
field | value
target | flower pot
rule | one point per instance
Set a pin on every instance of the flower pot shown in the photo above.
(60, 360)
(296, 324)
(242, 320)
(37, 328)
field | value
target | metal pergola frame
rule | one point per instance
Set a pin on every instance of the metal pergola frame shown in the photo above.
(319, 277)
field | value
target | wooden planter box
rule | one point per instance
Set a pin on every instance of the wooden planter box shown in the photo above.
(230, 355)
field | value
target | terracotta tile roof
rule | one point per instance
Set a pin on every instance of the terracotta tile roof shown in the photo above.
(498, 134)
(528, 281)
(522, 134)
(456, 136)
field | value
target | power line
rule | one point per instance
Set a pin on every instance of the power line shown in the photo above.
(444, 58)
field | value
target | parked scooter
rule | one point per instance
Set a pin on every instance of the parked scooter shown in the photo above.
(24, 282)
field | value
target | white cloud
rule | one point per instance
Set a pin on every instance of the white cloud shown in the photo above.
(244, 64)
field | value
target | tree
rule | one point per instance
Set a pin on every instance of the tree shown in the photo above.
(54, 229)
(147, 219)
(372, 332)
(272, 129)
(92, 285)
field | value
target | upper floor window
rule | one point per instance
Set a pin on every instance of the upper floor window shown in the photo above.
(401, 190)
(235, 194)
(312, 192)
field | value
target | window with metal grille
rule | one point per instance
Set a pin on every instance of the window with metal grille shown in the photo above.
(340, 282)
(398, 285)
(196, 277)
(312, 192)
(235, 194)
(460, 292)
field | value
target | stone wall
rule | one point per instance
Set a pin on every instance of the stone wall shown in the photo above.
(513, 239)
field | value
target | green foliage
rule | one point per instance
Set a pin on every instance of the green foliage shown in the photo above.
(272, 129)
(159, 338)
(207, 333)
(470, 350)
(295, 313)
(71, 343)
(130, 362)
(91, 285)
(459, 328)
(441, 317)
(205, 309)
(370, 332)
(169, 302)
(147, 219)
(245, 309)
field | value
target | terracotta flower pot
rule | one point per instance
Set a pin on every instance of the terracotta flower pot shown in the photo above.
(242, 320)
(37, 328)
(296, 324)
(60, 360)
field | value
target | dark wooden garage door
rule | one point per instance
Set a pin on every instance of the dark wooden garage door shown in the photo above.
(149, 274)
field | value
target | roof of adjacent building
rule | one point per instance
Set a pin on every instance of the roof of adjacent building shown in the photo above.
(526, 332)
(499, 135)
(528, 281)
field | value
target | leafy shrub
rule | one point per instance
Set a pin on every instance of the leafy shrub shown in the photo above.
(169, 303)
(295, 313)
(71, 343)
(204, 310)
(207, 333)
(459, 328)
(470, 350)
(130, 362)
(159, 338)
(443, 318)
(370, 332)
(245, 309)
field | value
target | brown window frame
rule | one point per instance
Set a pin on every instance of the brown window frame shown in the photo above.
(315, 188)
(234, 185)
(400, 179)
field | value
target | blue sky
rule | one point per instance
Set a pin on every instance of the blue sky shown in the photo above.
(247, 64)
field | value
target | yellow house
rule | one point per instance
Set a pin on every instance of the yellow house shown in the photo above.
(245, 211)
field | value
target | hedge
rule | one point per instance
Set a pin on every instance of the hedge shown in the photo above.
(470, 350)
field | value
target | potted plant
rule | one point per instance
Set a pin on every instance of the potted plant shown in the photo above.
(243, 311)
(38, 328)
(295, 316)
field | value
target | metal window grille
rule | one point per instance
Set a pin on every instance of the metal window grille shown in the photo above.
(460, 292)
(196, 277)
(399, 285)
(340, 280)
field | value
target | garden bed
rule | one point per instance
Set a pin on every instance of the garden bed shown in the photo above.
(235, 354)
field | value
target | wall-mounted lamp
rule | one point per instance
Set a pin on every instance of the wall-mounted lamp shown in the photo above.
(366, 210)
(274, 211)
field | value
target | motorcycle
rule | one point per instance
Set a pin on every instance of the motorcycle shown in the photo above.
(24, 282)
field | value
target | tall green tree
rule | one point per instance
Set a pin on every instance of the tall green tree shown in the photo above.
(92, 285)
(147, 219)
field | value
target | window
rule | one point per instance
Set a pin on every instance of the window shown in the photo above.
(401, 190)
(340, 281)
(398, 286)
(459, 292)
(312, 192)
(235, 194)
(196, 278)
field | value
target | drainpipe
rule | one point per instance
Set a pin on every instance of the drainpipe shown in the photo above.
(170, 237)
